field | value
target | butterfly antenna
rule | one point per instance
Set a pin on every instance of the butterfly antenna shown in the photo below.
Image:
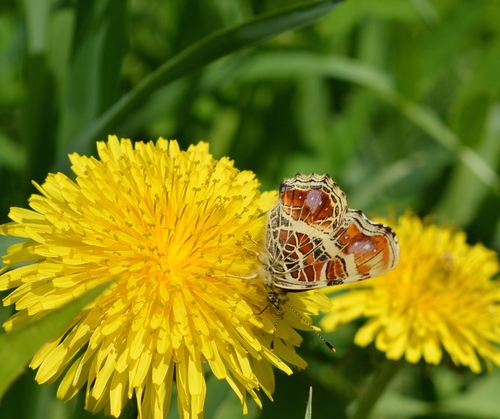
(301, 317)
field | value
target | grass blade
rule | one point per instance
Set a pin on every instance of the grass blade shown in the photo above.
(280, 65)
(198, 55)
(309, 404)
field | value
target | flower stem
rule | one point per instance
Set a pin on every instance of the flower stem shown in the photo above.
(375, 389)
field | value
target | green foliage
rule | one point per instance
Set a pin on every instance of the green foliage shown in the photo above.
(397, 99)
(20, 345)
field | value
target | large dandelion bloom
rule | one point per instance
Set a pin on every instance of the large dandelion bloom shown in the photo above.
(441, 295)
(175, 231)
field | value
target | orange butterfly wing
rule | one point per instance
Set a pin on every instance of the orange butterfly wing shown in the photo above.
(314, 240)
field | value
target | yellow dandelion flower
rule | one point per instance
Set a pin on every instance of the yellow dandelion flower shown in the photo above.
(440, 296)
(173, 230)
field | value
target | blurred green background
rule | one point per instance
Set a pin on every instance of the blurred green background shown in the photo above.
(397, 99)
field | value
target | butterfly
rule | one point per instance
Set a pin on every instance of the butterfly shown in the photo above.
(313, 240)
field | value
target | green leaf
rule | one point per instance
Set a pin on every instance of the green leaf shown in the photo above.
(37, 14)
(17, 347)
(276, 64)
(376, 388)
(12, 155)
(90, 82)
(309, 404)
(39, 112)
(465, 192)
(474, 117)
(481, 400)
(196, 56)
(222, 402)
(393, 404)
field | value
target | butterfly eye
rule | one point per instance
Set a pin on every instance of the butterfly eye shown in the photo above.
(272, 297)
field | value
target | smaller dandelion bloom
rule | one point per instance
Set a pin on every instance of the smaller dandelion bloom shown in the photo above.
(175, 231)
(440, 296)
